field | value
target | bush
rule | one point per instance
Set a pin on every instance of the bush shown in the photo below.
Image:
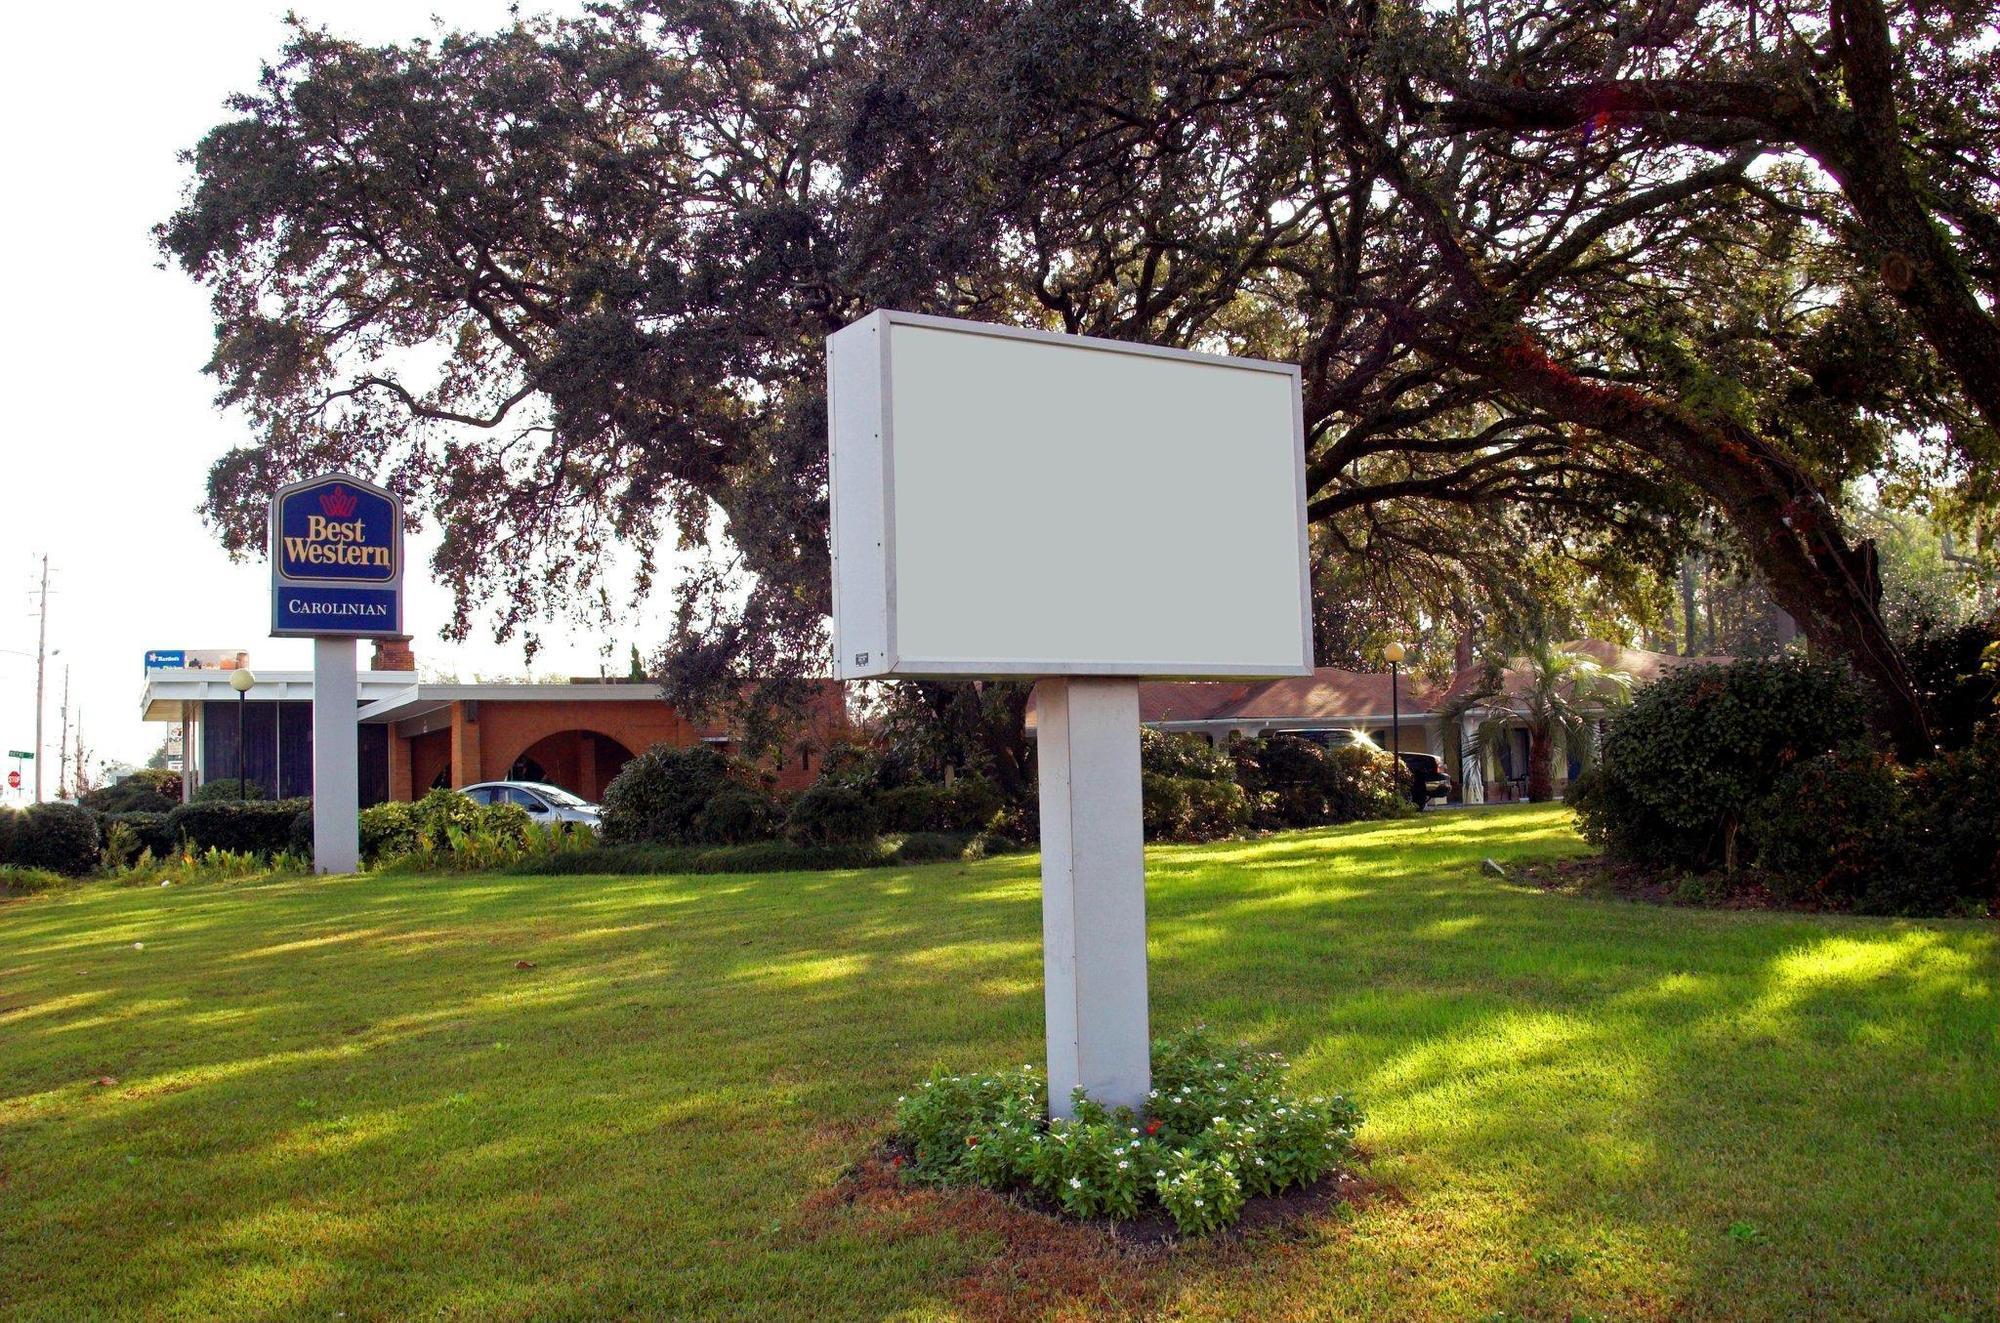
(1183, 756)
(9, 823)
(147, 831)
(1955, 807)
(255, 827)
(1218, 1128)
(226, 789)
(831, 814)
(1683, 764)
(302, 834)
(930, 847)
(1180, 808)
(16, 881)
(1293, 782)
(1830, 825)
(737, 815)
(61, 838)
(393, 831)
(910, 808)
(660, 793)
(151, 790)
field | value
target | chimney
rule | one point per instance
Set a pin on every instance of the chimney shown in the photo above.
(393, 655)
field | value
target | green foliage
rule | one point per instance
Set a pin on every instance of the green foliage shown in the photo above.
(737, 814)
(501, 837)
(253, 827)
(660, 794)
(1293, 782)
(16, 880)
(10, 820)
(966, 805)
(1952, 670)
(149, 831)
(1179, 808)
(443, 826)
(1682, 765)
(1830, 825)
(226, 788)
(150, 790)
(1218, 1127)
(61, 838)
(830, 813)
(1178, 754)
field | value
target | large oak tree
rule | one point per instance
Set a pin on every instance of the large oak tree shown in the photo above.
(566, 285)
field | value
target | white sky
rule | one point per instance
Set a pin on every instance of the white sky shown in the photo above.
(110, 427)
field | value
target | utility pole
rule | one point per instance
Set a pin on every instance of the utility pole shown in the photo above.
(62, 753)
(41, 666)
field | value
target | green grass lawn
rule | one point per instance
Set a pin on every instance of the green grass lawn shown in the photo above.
(344, 1098)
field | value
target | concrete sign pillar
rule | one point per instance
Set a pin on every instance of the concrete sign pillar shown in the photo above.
(336, 758)
(1093, 891)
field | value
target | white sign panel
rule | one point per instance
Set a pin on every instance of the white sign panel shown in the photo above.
(1012, 502)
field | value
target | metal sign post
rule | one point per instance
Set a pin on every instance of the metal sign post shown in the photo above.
(336, 576)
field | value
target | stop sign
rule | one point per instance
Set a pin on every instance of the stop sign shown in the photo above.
(14, 780)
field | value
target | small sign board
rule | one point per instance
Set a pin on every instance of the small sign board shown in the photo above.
(21, 754)
(13, 780)
(1009, 502)
(336, 560)
(196, 659)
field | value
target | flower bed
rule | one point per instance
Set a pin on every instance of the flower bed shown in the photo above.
(1219, 1128)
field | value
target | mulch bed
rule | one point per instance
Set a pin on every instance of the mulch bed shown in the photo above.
(1595, 876)
(1047, 1259)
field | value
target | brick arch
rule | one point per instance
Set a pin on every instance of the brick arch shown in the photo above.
(580, 761)
(507, 730)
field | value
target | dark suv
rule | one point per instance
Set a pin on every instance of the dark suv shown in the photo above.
(1428, 782)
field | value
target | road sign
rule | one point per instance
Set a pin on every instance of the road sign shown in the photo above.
(22, 754)
(1152, 505)
(13, 780)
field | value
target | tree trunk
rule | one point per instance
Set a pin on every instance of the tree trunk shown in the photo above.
(1541, 765)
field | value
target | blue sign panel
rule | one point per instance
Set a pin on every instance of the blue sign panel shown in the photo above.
(336, 560)
(336, 530)
(166, 659)
(361, 612)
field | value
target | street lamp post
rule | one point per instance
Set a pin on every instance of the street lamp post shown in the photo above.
(1394, 652)
(240, 680)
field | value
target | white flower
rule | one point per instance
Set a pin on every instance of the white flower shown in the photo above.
(1076, 1182)
(1197, 1203)
(1123, 1164)
(1133, 1144)
(1215, 1120)
(1160, 1175)
(1260, 1162)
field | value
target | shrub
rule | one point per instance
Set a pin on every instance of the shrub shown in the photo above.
(737, 815)
(1682, 765)
(1955, 810)
(9, 823)
(916, 807)
(969, 803)
(150, 831)
(831, 814)
(1179, 808)
(302, 834)
(426, 828)
(61, 838)
(1293, 782)
(151, 790)
(929, 847)
(660, 793)
(229, 788)
(1218, 1128)
(1829, 824)
(18, 881)
(255, 827)
(1188, 757)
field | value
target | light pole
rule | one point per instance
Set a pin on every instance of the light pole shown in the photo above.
(1394, 653)
(240, 680)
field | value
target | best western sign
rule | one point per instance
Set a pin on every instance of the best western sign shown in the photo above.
(336, 560)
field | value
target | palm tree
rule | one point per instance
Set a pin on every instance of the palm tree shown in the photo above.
(1452, 712)
(1566, 689)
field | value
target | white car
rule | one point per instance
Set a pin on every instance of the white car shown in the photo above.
(544, 803)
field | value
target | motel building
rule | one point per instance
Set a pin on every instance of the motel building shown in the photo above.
(416, 737)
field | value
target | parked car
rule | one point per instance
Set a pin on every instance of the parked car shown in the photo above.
(1335, 737)
(1428, 782)
(546, 804)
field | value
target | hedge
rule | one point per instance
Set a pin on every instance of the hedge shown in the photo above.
(61, 838)
(257, 826)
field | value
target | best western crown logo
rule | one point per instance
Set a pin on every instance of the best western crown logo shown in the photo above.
(338, 503)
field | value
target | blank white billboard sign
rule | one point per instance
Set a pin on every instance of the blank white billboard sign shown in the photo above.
(1012, 502)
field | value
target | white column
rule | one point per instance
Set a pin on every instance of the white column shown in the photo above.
(1473, 791)
(1093, 891)
(336, 758)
